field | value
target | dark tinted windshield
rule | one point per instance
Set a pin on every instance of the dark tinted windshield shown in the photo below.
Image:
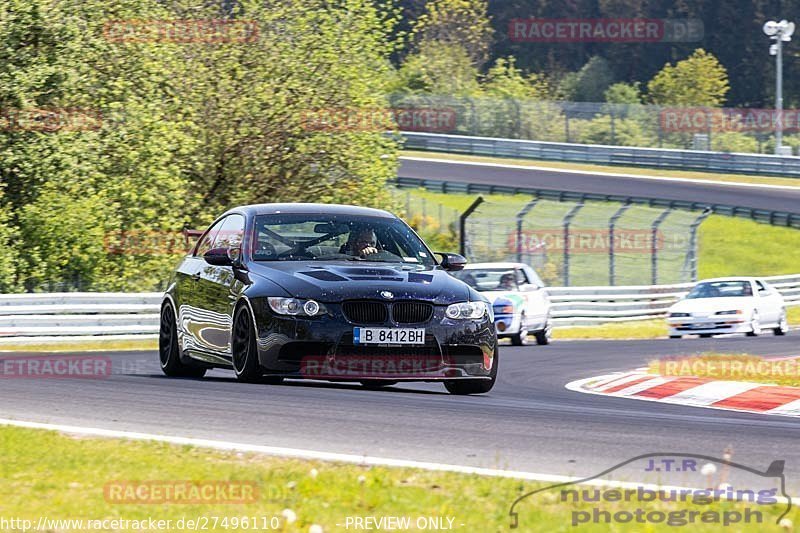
(304, 237)
(488, 279)
(721, 289)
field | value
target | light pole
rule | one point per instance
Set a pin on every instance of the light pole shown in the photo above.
(780, 32)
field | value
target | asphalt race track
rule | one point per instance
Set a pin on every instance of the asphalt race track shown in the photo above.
(529, 422)
(774, 199)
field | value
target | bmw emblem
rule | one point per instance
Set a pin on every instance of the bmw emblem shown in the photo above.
(386, 294)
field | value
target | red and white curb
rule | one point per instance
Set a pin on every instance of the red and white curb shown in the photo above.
(696, 392)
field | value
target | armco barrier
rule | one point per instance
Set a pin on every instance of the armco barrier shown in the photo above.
(732, 163)
(26, 317)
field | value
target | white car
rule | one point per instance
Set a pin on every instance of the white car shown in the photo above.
(728, 305)
(519, 299)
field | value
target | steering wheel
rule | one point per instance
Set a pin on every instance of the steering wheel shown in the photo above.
(266, 250)
(294, 252)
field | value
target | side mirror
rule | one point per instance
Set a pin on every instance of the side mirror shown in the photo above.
(452, 262)
(223, 256)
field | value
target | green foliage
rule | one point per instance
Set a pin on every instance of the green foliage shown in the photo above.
(733, 142)
(8, 250)
(699, 80)
(457, 22)
(188, 129)
(438, 68)
(623, 93)
(590, 83)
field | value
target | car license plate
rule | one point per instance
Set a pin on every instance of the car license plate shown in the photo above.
(388, 336)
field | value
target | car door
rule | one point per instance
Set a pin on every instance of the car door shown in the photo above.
(530, 288)
(771, 303)
(217, 290)
(190, 314)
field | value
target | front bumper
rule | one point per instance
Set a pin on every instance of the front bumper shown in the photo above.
(508, 325)
(713, 325)
(323, 348)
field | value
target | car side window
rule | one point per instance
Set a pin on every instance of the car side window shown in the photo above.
(207, 240)
(522, 279)
(762, 289)
(230, 233)
(534, 278)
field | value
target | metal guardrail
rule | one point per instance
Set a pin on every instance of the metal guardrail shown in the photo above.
(733, 163)
(71, 314)
(112, 315)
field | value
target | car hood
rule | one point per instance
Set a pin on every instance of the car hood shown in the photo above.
(343, 280)
(712, 305)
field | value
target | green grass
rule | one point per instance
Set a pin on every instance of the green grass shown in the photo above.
(79, 346)
(63, 477)
(696, 175)
(731, 367)
(734, 247)
(635, 329)
(727, 245)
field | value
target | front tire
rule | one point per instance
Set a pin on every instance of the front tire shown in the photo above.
(543, 336)
(168, 351)
(244, 349)
(475, 386)
(783, 325)
(755, 326)
(520, 338)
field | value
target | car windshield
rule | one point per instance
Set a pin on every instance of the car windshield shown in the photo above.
(488, 279)
(313, 237)
(720, 289)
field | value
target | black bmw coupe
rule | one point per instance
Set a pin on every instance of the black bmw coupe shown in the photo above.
(332, 292)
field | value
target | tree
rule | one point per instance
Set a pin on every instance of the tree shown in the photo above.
(699, 80)
(623, 93)
(462, 22)
(438, 68)
(589, 83)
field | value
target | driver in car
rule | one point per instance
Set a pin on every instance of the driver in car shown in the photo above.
(361, 243)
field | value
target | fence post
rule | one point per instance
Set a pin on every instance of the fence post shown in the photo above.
(612, 258)
(462, 225)
(566, 222)
(693, 241)
(520, 216)
(654, 243)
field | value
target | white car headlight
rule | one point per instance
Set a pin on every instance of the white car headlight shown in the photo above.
(731, 312)
(680, 315)
(295, 307)
(468, 310)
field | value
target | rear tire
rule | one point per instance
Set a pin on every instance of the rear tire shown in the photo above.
(168, 350)
(783, 325)
(243, 348)
(475, 386)
(676, 336)
(707, 335)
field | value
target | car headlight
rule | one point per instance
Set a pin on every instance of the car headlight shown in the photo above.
(468, 310)
(731, 312)
(296, 307)
(679, 315)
